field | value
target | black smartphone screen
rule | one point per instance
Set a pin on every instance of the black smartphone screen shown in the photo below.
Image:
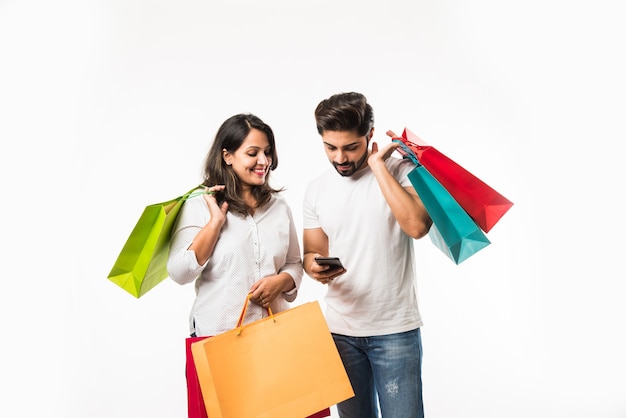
(333, 262)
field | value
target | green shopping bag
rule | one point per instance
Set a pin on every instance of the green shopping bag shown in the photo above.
(142, 263)
(453, 231)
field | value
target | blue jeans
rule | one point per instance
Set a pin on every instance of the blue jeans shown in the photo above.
(385, 370)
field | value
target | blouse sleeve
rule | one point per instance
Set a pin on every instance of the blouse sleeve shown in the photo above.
(293, 264)
(182, 264)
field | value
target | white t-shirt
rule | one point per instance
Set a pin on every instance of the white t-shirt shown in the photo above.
(247, 250)
(377, 294)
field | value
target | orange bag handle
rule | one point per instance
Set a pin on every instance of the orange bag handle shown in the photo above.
(243, 313)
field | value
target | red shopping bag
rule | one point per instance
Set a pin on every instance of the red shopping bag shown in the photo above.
(195, 405)
(481, 202)
(321, 414)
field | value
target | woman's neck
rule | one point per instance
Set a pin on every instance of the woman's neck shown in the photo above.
(250, 200)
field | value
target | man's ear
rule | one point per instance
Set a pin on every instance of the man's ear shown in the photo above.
(370, 135)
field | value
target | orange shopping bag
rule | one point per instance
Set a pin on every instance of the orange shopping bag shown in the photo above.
(282, 366)
(195, 404)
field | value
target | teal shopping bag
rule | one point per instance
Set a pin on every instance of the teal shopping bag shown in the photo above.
(142, 263)
(453, 231)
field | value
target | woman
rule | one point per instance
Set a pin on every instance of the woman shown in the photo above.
(239, 239)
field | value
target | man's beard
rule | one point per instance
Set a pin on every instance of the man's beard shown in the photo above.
(355, 166)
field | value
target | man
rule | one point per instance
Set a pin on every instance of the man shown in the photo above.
(367, 213)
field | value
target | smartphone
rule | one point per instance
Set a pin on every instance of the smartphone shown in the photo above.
(333, 262)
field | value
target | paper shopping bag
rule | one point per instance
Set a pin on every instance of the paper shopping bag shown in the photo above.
(282, 366)
(195, 404)
(321, 414)
(484, 204)
(453, 231)
(142, 263)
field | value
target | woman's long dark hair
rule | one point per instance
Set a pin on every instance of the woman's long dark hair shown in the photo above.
(229, 137)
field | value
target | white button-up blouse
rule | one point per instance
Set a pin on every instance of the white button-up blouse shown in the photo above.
(247, 250)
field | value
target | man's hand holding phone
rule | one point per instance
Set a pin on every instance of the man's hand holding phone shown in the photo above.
(334, 268)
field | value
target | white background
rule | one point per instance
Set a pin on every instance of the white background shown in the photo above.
(108, 106)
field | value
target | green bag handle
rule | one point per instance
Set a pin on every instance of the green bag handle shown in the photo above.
(191, 193)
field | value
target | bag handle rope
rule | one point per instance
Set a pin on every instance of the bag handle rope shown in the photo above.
(407, 152)
(195, 192)
(243, 314)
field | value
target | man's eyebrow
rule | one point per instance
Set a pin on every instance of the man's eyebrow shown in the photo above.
(343, 146)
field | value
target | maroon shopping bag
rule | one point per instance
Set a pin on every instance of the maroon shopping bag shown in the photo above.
(195, 405)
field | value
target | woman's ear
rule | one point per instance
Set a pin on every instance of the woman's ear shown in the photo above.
(227, 157)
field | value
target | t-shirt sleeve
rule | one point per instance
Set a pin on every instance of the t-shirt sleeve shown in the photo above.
(401, 171)
(310, 218)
